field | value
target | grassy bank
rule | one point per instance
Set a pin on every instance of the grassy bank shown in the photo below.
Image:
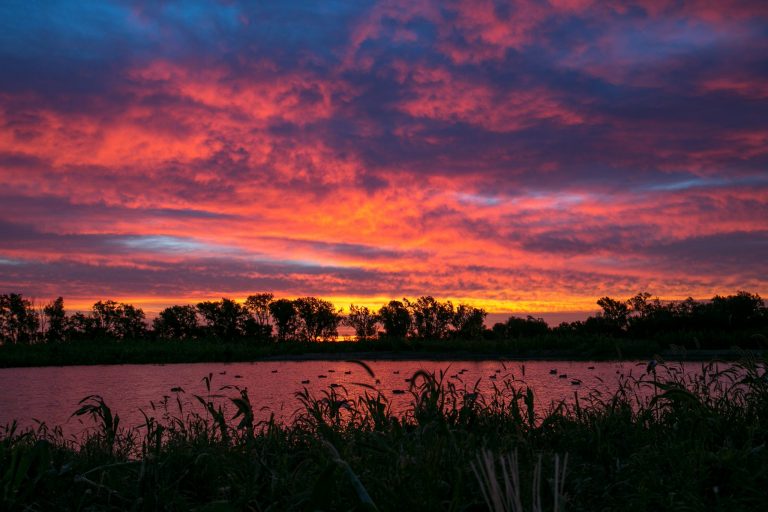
(149, 351)
(660, 443)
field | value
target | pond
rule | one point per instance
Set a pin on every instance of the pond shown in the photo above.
(51, 394)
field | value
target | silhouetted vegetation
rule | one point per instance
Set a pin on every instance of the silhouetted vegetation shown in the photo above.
(363, 321)
(264, 325)
(665, 441)
(694, 324)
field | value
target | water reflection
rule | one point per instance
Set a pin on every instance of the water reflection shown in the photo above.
(51, 394)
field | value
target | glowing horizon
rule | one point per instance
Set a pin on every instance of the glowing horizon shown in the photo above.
(521, 158)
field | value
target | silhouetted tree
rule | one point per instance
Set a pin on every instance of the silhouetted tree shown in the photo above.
(649, 316)
(176, 323)
(430, 317)
(104, 314)
(499, 331)
(130, 323)
(363, 321)
(258, 307)
(18, 320)
(56, 320)
(740, 311)
(224, 319)
(286, 318)
(81, 327)
(117, 320)
(615, 313)
(527, 327)
(396, 319)
(641, 304)
(319, 319)
(468, 322)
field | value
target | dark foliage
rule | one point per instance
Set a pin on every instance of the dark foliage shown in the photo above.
(319, 320)
(363, 321)
(666, 441)
(720, 323)
(177, 323)
(18, 321)
(286, 319)
(396, 319)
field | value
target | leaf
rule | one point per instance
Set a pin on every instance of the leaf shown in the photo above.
(364, 365)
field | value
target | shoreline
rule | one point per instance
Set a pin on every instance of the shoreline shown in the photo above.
(700, 355)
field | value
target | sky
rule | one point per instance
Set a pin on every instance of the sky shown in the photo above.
(529, 156)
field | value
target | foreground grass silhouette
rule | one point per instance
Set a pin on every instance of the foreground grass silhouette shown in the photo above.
(665, 441)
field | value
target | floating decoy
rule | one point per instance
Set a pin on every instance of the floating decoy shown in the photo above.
(553, 371)
(238, 376)
(563, 376)
(396, 372)
(322, 376)
(305, 382)
(331, 371)
(274, 371)
(575, 382)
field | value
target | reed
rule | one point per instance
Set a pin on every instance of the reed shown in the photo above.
(663, 441)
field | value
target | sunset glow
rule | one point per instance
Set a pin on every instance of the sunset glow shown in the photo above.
(522, 158)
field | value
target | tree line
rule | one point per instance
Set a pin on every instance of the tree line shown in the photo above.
(263, 318)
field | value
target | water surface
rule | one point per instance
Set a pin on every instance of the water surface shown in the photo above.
(51, 394)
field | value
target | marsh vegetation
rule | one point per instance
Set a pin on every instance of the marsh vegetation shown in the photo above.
(664, 441)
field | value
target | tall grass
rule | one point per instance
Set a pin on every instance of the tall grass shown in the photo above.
(663, 441)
